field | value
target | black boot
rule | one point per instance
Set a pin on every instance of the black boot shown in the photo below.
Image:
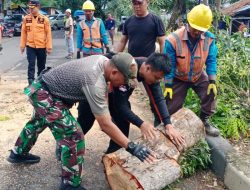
(23, 159)
(210, 129)
(64, 186)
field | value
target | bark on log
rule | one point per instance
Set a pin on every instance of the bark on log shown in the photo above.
(125, 172)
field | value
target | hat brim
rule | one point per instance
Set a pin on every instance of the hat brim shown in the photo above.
(198, 27)
(32, 6)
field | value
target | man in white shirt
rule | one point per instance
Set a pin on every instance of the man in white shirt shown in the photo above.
(69, 28)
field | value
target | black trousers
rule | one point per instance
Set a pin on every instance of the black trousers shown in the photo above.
(32, 55)
(86, 120)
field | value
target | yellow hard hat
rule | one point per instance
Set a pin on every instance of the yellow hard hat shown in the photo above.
(88, 5)
(200, 17)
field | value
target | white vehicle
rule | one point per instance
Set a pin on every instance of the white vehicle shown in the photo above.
(56, 21)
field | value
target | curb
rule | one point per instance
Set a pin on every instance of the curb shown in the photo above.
(236, 179)
(233, 177)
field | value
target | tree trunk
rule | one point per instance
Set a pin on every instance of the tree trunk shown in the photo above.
(126, 172)
(179, 9)
(205, 2)
(217, 4)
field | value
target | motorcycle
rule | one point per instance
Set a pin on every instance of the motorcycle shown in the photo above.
(8, 30)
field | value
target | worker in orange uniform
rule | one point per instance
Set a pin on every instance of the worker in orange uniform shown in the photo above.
(36, 38)
(192, 51)
(91, 33)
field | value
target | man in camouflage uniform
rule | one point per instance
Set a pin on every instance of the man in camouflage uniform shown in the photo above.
(55, 91)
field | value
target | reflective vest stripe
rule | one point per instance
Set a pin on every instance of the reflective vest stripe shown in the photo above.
(205, 48)
(178, 41)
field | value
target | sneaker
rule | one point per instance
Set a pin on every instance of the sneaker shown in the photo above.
(69, 57)
(210, 129)
(23, 159)
(64, 186)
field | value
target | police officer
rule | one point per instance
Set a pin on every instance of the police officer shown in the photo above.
(36, 38)
(91, 33)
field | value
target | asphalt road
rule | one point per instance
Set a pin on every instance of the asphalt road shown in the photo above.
(12, 59)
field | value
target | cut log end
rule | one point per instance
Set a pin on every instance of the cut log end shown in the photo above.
(126, 172)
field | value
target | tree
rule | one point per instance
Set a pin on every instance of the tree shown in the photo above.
(217, 4)
(205, 2)
(65, 4)
(179, 9)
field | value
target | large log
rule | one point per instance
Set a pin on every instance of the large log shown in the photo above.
(126, 172)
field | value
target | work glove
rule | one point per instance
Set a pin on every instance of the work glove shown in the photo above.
(168, 90)
(138, 150)
(1, 47)
(212, 87)
(78, 55)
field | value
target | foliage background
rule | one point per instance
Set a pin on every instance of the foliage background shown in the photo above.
(232, 116)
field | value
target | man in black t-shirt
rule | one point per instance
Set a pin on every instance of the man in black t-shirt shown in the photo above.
(142, 30)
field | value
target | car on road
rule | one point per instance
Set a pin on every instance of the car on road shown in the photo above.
(56, 21)
(14, 21)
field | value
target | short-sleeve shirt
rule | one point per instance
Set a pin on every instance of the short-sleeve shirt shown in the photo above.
(68, 23)
(80, 80)
(142, 33)
(110, 24)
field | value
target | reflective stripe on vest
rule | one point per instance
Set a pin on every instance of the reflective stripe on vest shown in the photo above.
(178, 41)
(184, 67)
(206, 44)
(91, 38)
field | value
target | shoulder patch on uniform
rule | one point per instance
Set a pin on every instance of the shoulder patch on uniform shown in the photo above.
(123, 88)
(209, 34)
(40, 20)
(28, 20)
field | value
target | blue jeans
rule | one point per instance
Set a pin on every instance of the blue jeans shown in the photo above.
(70, 44)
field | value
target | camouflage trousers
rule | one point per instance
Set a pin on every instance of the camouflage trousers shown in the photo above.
(53, 113)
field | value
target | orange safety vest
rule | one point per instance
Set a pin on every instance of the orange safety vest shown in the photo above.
(91, 38)
(36, 32)
(189, 66)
